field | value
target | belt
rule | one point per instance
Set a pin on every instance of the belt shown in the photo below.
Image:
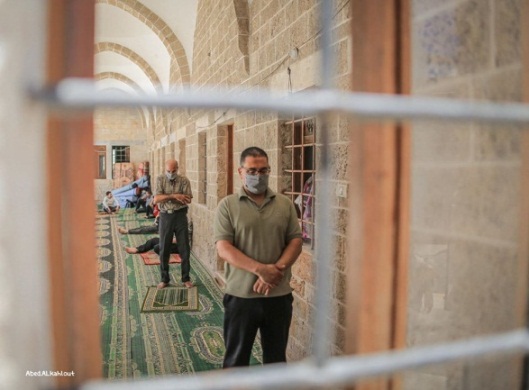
(173, 211)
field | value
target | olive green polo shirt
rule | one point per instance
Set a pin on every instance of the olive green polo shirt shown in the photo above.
(260, 232)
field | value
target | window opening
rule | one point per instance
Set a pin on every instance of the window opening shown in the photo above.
(101, 161)
(300, 147)
(120, 154)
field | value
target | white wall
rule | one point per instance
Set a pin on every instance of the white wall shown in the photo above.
(24, 313)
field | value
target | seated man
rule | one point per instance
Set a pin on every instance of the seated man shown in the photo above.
(153, 243)
(141, 204)
(110, 204)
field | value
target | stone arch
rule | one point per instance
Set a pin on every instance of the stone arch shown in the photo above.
(133, 56)
(164, 33)
(141, 113)
(119, 77)
(132, 84)
(243, 23)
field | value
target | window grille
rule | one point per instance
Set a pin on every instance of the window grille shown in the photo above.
(120, 154)
(321, 371)
(300, 148)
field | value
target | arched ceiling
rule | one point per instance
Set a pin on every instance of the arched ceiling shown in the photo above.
(142, 40)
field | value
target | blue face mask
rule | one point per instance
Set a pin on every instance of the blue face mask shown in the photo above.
(170, 176)
(256, 184)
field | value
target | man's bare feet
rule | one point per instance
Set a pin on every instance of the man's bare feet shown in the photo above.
(162, 285)
(130, 249)
(189, 284)
(122, 230)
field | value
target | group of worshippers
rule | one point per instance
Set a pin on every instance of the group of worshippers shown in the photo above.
(145, 203)
(258, 235)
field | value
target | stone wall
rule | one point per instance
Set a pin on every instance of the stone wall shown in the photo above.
(465, 178)
(465, 188)
(120, 127)
(252, 45)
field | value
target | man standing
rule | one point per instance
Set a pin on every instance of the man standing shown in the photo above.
(257, 233)
(173, 194)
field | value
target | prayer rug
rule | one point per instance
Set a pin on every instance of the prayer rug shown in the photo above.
(151, 258)
(170, 299)
(138, 344)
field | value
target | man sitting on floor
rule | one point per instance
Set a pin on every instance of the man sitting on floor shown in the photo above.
(145, 198)
(110, 204)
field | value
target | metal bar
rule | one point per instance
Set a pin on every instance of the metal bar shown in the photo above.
(82, 94)
(322, 325)
(338, 370)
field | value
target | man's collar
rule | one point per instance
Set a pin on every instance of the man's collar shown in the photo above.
(269, 193)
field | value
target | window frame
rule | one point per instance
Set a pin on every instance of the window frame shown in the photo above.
(121, 151)
(297, 175)
(380, 57)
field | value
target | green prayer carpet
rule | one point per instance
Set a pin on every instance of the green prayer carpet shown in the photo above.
(136, 344)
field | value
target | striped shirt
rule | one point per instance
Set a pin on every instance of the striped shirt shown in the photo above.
(164, 186)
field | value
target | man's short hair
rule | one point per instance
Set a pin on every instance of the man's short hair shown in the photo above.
(108, 192)
(252, 151)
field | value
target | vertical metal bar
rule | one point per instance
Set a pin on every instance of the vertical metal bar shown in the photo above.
(322, 326)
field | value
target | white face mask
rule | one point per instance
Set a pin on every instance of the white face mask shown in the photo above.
(256, 184)
(170, 176)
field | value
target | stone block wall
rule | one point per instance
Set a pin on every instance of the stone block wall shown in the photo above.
(119, 127)
(262, 45)
(275, 29)
(465, 188)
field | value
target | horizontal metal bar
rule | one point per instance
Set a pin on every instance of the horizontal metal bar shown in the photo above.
(338, 370)
(82, 94)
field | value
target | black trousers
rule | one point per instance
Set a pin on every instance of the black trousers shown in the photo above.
(244, 316)
(110, 209)
(151, 229)
(154, 243)
(174, 225)
(141, 203)
(149, 210)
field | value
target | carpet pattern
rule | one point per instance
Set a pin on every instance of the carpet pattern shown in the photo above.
(136, 344)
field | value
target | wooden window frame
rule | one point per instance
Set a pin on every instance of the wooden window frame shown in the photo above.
(298, 172)
(380, 160)
(73, 284)
(379, 153)
(380, 166)
(121, 151)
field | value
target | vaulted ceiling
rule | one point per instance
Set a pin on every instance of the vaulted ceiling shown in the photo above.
(144, 46)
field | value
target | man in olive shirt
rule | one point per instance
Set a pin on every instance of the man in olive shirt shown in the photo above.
(257, 233)
(173, 194)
